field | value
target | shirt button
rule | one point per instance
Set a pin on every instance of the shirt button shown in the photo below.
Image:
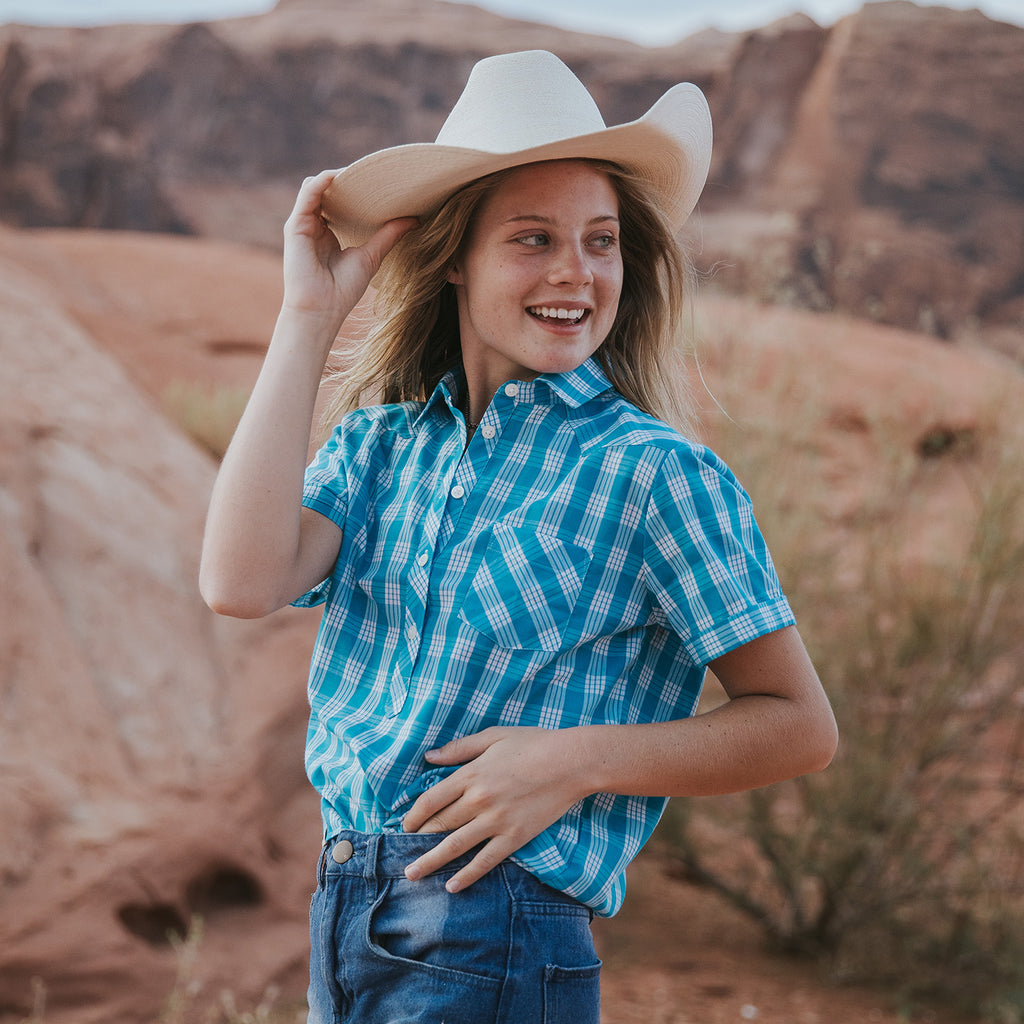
(487, 431)
(411, 633)
(422, 560)
(511, 390)
(458, 491)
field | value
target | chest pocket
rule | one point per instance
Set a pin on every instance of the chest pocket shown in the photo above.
(525, 588)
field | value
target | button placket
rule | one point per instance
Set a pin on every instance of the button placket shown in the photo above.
(394, 700)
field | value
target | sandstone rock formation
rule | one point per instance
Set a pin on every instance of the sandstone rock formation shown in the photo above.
(150, 754)
(874, 167)
(896, 192)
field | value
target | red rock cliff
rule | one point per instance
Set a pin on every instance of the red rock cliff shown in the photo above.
(876, 167)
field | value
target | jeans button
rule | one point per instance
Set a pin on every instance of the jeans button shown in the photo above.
(342, 851)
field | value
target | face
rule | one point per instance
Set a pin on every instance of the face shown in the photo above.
(539, 276)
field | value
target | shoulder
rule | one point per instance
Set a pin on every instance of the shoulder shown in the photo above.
(610, 421)
(370, 424)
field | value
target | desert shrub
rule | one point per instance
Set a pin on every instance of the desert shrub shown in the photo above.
(902, 863)
(208, 414)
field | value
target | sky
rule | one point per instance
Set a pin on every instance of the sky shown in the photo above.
(644, 21)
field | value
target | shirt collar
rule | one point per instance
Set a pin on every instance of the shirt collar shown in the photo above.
(577, 386)
(574, 387)
(448, 392)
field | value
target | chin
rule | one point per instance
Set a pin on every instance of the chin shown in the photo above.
(562, 362)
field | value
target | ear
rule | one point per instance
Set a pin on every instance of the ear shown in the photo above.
(455, 275)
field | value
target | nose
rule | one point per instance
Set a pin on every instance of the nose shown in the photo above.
(569, 265)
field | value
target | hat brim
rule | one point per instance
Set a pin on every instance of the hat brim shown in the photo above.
(670, 147)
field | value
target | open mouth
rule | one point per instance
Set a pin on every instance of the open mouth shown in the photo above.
(550, 315)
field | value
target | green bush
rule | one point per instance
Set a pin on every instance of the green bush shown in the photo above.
(901, 864)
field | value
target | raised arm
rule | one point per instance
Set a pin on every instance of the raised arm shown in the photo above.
(262, 549)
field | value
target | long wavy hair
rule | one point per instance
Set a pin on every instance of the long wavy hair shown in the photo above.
(413, 340)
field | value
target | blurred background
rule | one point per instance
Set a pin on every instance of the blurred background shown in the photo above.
(859, 359)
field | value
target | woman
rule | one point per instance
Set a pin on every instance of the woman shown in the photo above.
(525, 570)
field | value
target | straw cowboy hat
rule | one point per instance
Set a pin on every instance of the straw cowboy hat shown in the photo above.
(520, 108)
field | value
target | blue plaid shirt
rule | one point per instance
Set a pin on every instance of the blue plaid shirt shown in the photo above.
(579, 562)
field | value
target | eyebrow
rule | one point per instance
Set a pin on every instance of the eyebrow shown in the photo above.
(536, 218)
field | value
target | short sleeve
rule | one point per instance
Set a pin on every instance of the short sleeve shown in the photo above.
(325, 490)
(706, 559)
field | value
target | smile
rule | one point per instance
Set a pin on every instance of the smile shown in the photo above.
(549, 314)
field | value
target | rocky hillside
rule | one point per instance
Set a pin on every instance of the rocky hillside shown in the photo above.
(876, 167)
(150, 753)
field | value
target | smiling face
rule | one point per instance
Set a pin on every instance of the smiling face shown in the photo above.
(539, 275)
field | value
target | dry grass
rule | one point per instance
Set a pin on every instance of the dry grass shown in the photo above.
(189, 1000)
(902, 864)
(190, 1003)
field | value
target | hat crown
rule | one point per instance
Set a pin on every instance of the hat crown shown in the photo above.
(519, 101)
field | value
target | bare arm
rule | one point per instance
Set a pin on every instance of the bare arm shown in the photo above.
(777, 724)
(514, 782)
(262, 549)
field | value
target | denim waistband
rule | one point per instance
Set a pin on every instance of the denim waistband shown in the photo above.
(384, 855)
(375, 857)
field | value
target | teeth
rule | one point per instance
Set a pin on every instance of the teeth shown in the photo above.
(557, 314)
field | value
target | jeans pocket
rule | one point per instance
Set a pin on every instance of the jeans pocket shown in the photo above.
(420, 926)
(572, 995)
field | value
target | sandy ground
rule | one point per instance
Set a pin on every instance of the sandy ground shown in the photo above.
(676, 954)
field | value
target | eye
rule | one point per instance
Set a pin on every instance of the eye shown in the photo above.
(604, 242)
(536, 239)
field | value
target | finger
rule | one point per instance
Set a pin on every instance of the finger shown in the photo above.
(433, 860)
(448, 849)
(429, 806)
(489, 857)
(465, 748)
(383, 240)
(307, 202)
(430, 803)
(305, 218)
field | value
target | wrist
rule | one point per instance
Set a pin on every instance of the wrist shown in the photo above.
(311, 325)
(588, 754)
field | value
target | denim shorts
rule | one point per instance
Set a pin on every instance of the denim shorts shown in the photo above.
(507, 950)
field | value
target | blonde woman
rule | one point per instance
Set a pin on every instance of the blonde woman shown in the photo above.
(526, 564)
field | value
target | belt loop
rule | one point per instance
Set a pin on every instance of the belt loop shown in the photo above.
(370, 867)
(321, 865)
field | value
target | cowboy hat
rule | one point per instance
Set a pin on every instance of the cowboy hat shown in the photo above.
(520, 108)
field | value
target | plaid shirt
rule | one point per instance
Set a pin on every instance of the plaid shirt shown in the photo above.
(579, 562)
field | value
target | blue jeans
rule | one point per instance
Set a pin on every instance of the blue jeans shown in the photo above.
(507, 950)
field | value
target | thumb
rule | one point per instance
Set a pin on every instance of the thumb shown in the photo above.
(384, 239)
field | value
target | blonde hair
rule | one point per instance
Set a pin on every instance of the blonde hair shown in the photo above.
(414, 340)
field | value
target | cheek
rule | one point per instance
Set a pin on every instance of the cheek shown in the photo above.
(485, 280)
(610, 275)
(613, 291)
